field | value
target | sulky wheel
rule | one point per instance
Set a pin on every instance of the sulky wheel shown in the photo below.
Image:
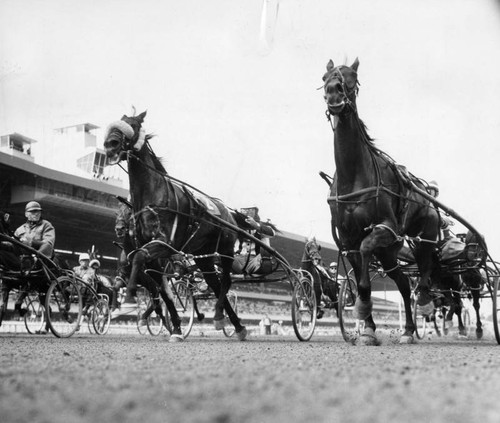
(90, 324)
(495, 281)
(184, 304)
(349, 325)
(101, 317)
(228, 328)
(63, 306)
(421, 322)
(143, 304)
(34, 319)
(304, 308)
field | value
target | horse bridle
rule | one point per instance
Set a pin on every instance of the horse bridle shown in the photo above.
(349, 92)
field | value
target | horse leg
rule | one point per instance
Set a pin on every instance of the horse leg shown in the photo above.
(220, 287)
(462, 331)
(380, 238)
(226, 264)
(475, 302)
(448, 318)
(318, 292)
(137, 267)
(151, 286)
(403, 283)
(119, 283)
(199, 315)
(5, 298)
(19, 303)
(424, 256)
(168, 297)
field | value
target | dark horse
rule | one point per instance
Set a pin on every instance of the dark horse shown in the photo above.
(322, 282)
(126, 234)
(372, 205)
(184, 223)
(462, 274)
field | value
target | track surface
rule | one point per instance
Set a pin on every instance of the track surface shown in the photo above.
(131, 378)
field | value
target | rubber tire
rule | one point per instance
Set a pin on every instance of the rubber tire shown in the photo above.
(34, 319)
(101, 317)
(420, 329)
(63, 307)
(184, 303)
(304, 305)
(349, 326)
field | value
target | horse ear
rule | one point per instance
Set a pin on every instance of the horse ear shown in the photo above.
(141, 117)
(355, 65)
(330, 66)
(124, 117)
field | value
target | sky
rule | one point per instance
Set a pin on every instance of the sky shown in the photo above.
(231, 90)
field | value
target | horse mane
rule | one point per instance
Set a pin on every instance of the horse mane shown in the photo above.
(157, 161)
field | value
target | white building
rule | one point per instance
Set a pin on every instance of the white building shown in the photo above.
(72, 149)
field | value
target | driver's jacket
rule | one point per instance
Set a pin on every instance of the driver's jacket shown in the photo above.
(41, 236)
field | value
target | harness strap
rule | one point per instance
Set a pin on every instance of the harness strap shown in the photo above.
(392, 269)
(174, 228)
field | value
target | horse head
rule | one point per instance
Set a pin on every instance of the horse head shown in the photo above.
(4, 223)
(476, 249)
(123, 220)
(311, 252)
(340, 87)
(147, 223)
(123, 136)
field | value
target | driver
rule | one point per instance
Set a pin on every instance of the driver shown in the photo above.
(37, 232)
(249, 258)
(83, 270)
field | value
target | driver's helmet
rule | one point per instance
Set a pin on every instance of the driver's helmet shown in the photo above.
(333, 265)
(83, 256)
(33, 206)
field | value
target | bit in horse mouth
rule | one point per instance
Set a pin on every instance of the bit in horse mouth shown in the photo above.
(114, 160)
(336, 108)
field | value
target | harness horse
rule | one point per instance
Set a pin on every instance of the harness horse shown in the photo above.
(126, 233)
(325, 287)
(182, 223)
(372, 204)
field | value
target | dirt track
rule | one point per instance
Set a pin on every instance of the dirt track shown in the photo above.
(119, 378)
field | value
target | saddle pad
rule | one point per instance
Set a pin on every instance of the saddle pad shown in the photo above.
(451, 249)
(207, 202)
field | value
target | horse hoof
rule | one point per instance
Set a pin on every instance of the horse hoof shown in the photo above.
(201, 316)
(368, 338)
(362, 309)
(242, 334)
(479, 334)
(219, 324)
(406, 339)
(176, 338)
